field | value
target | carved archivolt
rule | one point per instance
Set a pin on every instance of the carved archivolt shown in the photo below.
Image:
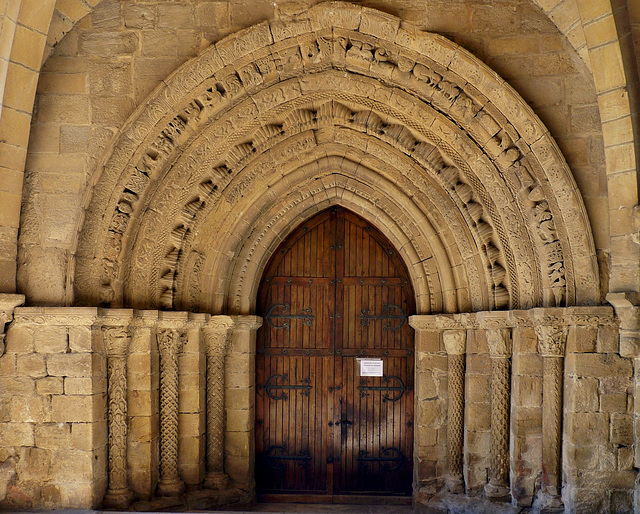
(342, 105)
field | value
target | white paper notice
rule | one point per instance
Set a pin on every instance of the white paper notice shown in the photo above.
(371, 368)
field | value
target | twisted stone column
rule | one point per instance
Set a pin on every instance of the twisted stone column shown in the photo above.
(499, 341)
(117, 341)
(215, 339)
(551, 346)
(169, 342)
(455, 344)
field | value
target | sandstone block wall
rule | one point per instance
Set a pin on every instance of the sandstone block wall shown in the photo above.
(56, 410)
(53, 425)
(55, 417)
(597, 410)
(598, 447)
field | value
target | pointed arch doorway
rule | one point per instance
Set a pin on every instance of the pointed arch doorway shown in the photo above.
(335, 299)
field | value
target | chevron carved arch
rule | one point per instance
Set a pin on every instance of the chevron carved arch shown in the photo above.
(344, 105)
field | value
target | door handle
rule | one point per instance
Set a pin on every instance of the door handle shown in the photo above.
(344, 421)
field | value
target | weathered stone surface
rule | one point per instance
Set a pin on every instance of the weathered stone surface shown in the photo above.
(178, 197)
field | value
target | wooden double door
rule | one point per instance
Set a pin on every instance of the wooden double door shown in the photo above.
(334, 293)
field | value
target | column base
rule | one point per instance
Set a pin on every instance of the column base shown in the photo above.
(497, 492)
(170, 487)
(216, 480)
(454, 483)
(547, 503)
(117, 499)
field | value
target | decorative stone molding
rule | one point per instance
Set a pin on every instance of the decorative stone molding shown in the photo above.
(8, 302)
(446, 125)
(215, 338)
(169, 337)
(552, 341)
(499, 342)
(117, 340)
(455, 344)
(246, 324)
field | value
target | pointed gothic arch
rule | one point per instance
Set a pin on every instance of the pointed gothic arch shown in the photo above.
(343, 106)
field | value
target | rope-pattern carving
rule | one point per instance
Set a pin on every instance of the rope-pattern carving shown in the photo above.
(500, 389)
(215, 400)
(117, 343)
(551, 423)
(455, 427)
(552, 338)
(168, 346)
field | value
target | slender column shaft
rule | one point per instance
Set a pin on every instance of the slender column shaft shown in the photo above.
(170, 483)
(500, 389)
(117, 343)
(499, 342)
(455, 343)
(551, 346)
(551, 424)
(215, 336)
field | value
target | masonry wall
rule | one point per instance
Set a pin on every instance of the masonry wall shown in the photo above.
(53, 425)
(598, 448)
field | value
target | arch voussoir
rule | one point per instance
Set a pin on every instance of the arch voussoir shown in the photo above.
(428, 118)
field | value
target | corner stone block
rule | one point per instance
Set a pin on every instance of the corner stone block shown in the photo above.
(80, 339)
(70, 365)
(622, 429)
(582, 339)
(20, 339)
(16, 434)
(32, 365)
(581, 394)
(53, 435)
(586, 426)
(598, 365)
(74, 409)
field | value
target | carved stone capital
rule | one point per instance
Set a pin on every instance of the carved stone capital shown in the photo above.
(8, 303)
(169, 341)
(216, 333)
(455, 341)
(246, 323)
(219, 323)
(552, 340)
(116, 340)
(499, 343)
